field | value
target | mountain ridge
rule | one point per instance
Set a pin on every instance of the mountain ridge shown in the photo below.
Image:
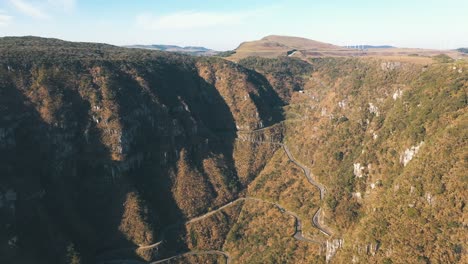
(192, 50)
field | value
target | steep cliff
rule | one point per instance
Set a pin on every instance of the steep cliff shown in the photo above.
(104, 146)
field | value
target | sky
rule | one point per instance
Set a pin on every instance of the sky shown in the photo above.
(223, 25)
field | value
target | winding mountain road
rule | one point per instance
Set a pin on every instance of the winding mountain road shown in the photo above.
(298, 234)
(316, 219)
(280, 123)
(197, 252)
(306, 172)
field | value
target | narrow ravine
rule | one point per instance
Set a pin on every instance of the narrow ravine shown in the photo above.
(316, 219)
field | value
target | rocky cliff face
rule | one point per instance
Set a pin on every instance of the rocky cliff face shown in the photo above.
(371, 137)
(103, 147)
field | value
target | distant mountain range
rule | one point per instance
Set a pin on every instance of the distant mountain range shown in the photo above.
(192, 50)
(276, 46)
(370, 47)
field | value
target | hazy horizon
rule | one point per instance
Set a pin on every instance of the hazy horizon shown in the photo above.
(223, 26)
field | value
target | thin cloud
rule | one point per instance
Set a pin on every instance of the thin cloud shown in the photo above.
(29, 9)
(64, 4)
(192, 20)
(5, 19)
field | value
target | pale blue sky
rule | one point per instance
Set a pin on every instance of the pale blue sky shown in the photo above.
(223, 25)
